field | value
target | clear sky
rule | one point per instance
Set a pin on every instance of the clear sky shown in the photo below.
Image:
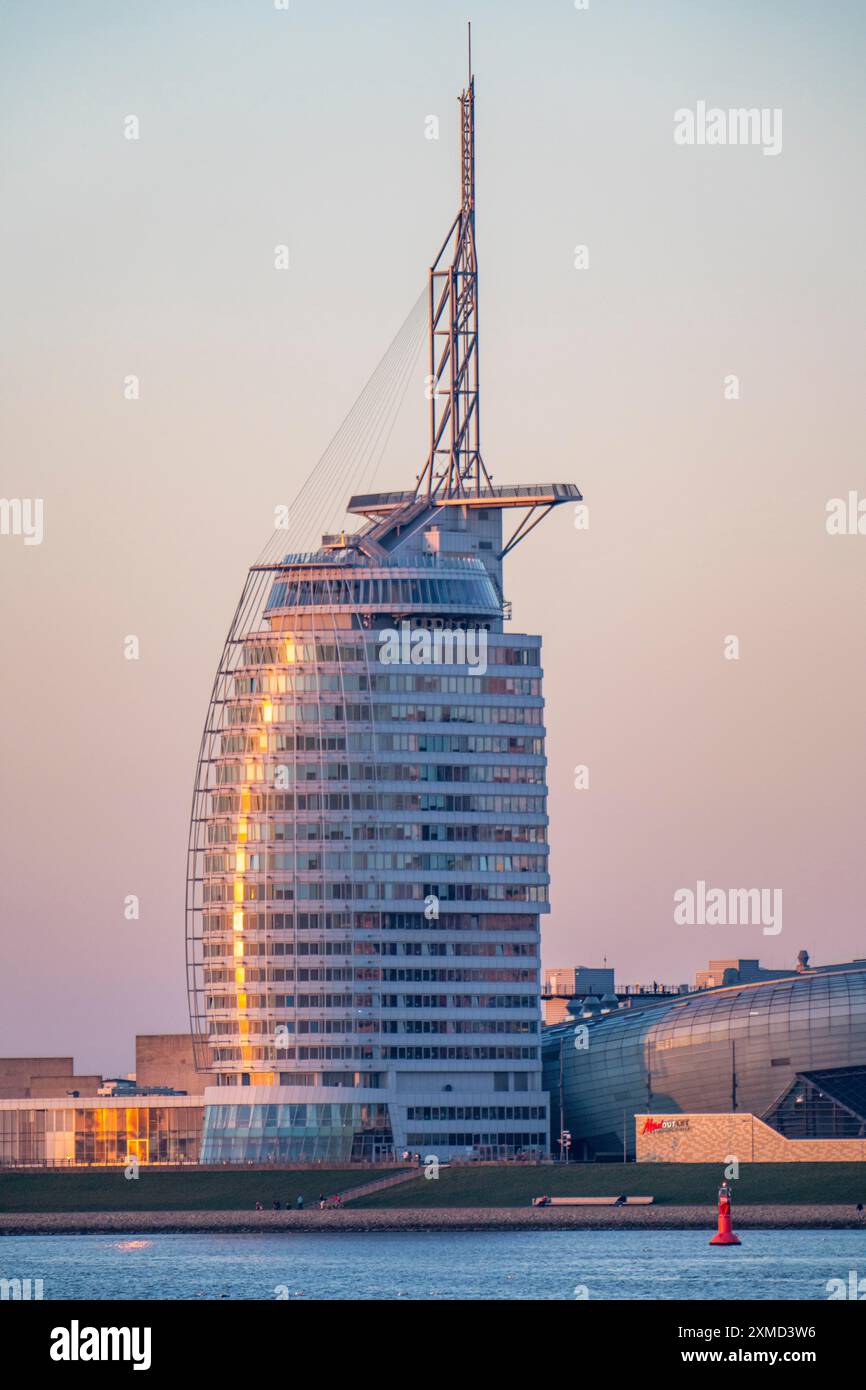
(154, 257)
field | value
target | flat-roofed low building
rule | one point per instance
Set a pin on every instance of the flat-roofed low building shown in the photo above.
(819, 1118)
(42, 1087)
(22, 1077)
(102, 1131)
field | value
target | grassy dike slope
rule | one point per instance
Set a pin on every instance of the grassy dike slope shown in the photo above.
(680, 1184)
(106, 1190)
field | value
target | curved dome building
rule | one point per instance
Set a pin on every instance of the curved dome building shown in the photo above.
(368, 844)
(735, 1049)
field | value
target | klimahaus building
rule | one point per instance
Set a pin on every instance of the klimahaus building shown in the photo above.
(368, 845)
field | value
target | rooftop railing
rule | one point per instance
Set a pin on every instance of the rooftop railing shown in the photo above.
(421, 560)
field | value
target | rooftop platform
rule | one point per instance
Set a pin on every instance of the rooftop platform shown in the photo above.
(519, 495)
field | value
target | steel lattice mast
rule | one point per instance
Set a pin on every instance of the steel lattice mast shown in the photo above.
(454, 474)
(454, 465)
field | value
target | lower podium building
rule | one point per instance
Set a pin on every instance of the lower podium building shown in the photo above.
(106, 1131)
(823, 1128)
(270, 1124)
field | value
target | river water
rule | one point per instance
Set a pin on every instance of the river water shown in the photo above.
(437, 1265)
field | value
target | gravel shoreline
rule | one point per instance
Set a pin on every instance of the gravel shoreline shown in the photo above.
(421, 1219)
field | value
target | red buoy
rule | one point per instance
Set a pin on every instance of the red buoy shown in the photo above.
(724, 1235)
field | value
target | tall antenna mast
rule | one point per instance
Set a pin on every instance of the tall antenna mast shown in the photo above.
(454, 465)
(467, 144)
(453, 474)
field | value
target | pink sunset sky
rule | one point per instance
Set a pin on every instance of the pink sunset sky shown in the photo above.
(154, 257)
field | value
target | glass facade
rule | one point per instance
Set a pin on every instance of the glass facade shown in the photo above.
(368, 857)
(822, 1105)
(731, 1049)
(55, 1135)
(334, 1131)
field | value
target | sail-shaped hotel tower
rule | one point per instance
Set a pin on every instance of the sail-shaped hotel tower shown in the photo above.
(368, 845)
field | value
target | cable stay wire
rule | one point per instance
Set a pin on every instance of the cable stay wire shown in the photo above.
(355, 452)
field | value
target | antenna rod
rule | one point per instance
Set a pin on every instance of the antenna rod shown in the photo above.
(467, 139)
(469, 31)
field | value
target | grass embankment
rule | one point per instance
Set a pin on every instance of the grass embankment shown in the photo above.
(671, 1184)
(507, 1185)
(106, 1189)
